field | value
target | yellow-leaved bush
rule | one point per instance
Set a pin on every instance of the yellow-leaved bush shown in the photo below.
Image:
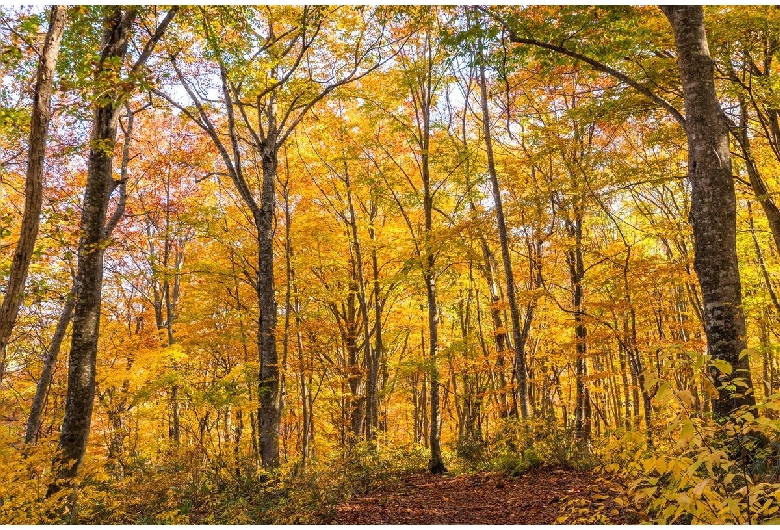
(25, 475)
(703, 471)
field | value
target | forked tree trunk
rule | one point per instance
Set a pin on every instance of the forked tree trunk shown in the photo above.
(713, 208)
(89, 276)
(94, 228)
(33, 190)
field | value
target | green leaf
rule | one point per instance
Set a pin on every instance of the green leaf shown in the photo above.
(686, 433)
(664, 392)
(722, 366)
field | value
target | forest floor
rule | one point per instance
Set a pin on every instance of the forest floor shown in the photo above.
(539, 496)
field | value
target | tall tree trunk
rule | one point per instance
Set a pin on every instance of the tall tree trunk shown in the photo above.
(94, 230)
(372, 389)
(33, 189)
(304, 381)
(357, 403)
(632, 351)
(582, 423)
(269, 413)
(370, 398)
(436, 464)
(713, 208)
(171, 298)
(499, 331)
(519, 338)
(290, 306)
(622, 355)
(288, 271)
(89, 276)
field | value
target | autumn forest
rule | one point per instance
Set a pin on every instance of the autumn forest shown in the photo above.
(269, 264)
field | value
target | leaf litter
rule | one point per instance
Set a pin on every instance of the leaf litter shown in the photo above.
(539, 496)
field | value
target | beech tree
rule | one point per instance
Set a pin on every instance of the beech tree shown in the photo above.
(95, 228)
(713, 210)
(713, 200)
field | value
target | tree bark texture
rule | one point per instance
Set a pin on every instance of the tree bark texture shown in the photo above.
(269, 413)
(33, 191)
(713, 208)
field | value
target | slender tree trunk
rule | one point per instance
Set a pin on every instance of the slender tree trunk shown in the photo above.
(756, 182)
(582, 420)
(269, 413)
(713, 208)
(766, 355)
(288, 252)
(436, 464)
(633, 351)
(33, 190)
(514, 313)
(373, 372)
(288, 308)
(371, 383)
(169, 300)
(499, 331)
(624, 376)
(357, 404)
(762, 264)
(244, 347)
(42, 388)
(306, 404)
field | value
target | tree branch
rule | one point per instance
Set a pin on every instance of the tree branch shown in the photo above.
(601, 67)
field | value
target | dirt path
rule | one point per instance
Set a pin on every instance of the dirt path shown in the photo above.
(541, 496)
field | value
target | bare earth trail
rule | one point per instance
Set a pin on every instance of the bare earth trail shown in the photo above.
(539, 496)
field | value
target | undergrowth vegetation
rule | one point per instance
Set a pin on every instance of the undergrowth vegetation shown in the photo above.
(696, 471)
(184, 488)
(709, 472)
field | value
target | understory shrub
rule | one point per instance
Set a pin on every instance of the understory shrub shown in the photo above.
(703, 471)
(518, 445)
